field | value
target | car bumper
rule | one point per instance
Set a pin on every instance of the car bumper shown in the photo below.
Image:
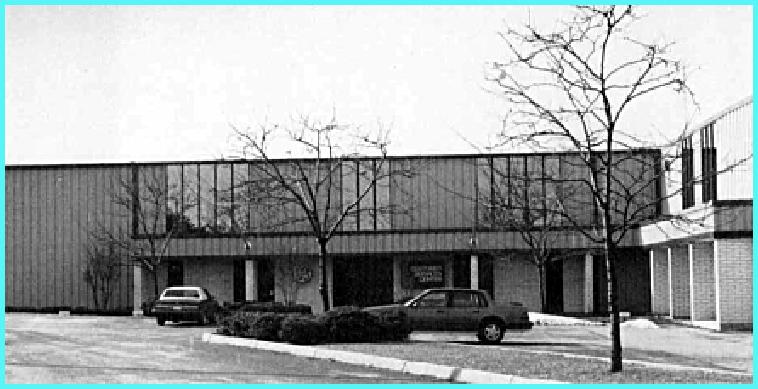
(178, 314)
(520, 326)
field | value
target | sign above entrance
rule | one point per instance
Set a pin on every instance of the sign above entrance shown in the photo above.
(427, 274)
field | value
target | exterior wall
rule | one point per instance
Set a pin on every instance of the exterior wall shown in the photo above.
(733, 138)
(702, 282)
(517, 280)
(573, 284)
(679, 281)
(215, 274)
(49, 213)
(307, 292)
(659, 268)
(734, 282)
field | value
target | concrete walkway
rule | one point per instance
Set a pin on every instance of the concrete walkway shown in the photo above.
(449, 373)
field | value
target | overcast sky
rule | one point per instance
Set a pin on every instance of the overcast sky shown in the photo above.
(129, 83)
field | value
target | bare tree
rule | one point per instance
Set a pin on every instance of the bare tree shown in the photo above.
(509, 206)
(102, 268)
(339, 166)
(569, 88)
(141, 198)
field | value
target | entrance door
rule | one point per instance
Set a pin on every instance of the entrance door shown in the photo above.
(175, 273)
(362, 281)
(238, 280)
(554, 286)
(265, 280)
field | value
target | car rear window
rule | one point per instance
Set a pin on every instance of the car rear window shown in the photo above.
(181, 293)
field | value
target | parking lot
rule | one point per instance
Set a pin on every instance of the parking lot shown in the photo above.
(89, 349)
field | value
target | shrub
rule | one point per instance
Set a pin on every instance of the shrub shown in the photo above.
(265, 326)
(352, 325)
(304, 329)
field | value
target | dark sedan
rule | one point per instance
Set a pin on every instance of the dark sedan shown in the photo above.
(185, 303)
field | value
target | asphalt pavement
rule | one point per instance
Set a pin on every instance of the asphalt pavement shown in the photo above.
(87, 349)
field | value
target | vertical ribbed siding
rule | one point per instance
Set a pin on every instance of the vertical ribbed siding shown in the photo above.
(49, 212)
(733, 138)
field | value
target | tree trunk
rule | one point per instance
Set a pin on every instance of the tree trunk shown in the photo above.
(543, 288)
(616, 361)
(324, 287)
(155, 283)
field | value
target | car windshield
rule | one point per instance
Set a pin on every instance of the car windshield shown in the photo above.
(191, 293)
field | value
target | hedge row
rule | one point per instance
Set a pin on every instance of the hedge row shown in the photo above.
(340, 325)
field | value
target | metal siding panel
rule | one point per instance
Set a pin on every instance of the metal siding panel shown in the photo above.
(11, 214)
(37, 241)
(66, 227)
(48, 240)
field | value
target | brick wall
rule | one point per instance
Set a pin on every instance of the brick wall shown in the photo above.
(517, 280)
(702, 283)
(659, 269)
(679, 279)
(573, 284)
(734, 272)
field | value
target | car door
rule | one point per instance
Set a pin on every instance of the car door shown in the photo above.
(429, 311)
(464, 311)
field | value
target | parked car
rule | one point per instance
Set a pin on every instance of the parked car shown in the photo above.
(185, 303)
(452, 309)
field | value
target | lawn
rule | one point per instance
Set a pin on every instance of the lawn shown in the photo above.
(531, 365)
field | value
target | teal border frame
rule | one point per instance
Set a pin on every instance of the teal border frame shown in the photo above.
(341, 2)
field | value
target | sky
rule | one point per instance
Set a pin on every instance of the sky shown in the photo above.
(166, 83)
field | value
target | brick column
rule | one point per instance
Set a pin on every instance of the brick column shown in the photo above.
(702, 284)
(251, 279)
(733, 262)
(474, 272)
(679, 281)
(659, 281)
(589, 303)
(137, 291)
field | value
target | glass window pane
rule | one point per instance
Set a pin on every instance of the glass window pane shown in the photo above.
(518, 183)
(553, 202)
(152, 200)
(349, 181)
(365, 181)
(207, 197)
(383, 207)
(433, 299)
(241, 197)
(189, 193)
(224, 207)
(174, 218)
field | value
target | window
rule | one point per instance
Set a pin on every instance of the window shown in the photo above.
(466, 299)
(688, 190)
(432, 299)
(708, 163)
(189, 196)
(207, 197)
(382, 190)
(349, 194)
(241, 196)
(174, 216)
(367, 206)
(224, 198)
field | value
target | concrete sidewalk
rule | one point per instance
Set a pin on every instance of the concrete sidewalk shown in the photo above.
(443, 372)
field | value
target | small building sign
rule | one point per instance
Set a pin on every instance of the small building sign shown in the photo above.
(427, 275)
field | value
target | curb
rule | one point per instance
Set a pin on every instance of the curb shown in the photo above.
(442, 372)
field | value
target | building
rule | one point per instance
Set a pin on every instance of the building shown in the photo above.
(701, 264)
(445, 235)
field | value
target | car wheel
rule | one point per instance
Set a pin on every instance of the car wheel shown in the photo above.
(491, 332)
(160, 320)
